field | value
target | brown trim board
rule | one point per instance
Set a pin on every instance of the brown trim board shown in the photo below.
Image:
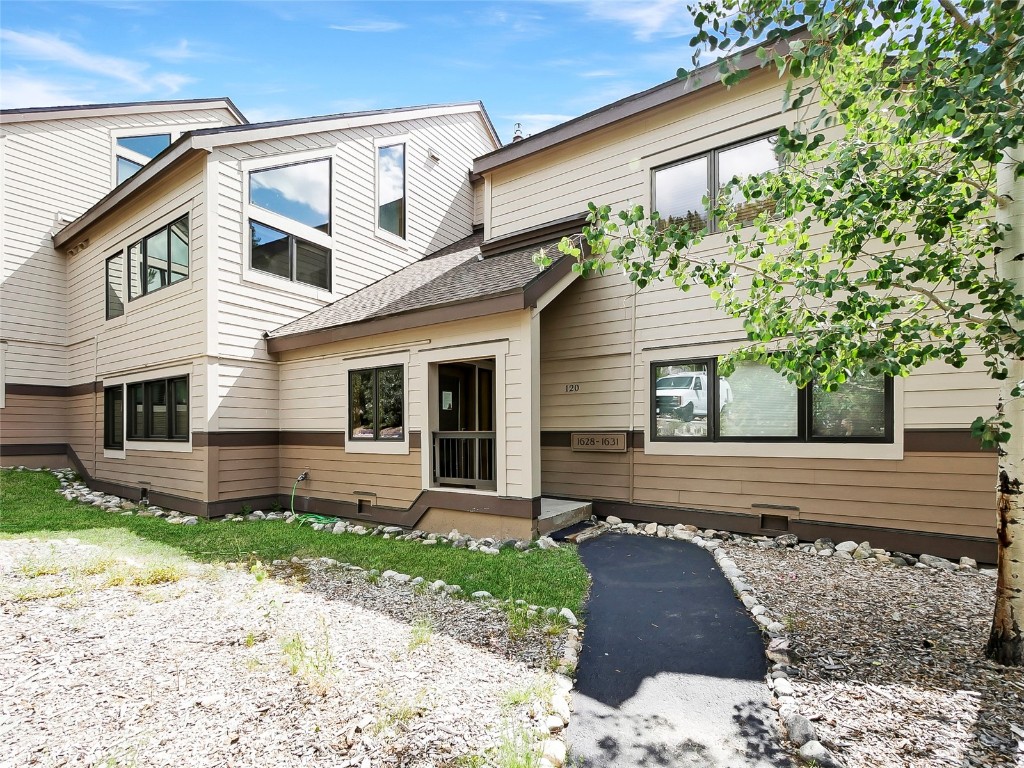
(914, 440)
(33, 449)
(898, 540)
(524, 238)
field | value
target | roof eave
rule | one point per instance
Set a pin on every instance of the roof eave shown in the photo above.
(29, 114)
(167, 162)
(624, 109)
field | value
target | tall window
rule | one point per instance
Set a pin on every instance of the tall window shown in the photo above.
(376, 403)
(113, 417)
(133, 152)
(690, 401)
(159, 259)
(158, 410)
(115, 285)
(681, 188)
(391, 189)
(289, 241)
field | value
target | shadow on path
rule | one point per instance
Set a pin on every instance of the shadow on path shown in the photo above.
(672, 667)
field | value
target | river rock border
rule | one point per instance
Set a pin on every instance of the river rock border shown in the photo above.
(800, 729)
(551, 747)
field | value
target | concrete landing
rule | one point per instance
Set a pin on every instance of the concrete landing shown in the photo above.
(556, 514)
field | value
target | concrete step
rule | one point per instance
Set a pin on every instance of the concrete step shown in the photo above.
(556, 514)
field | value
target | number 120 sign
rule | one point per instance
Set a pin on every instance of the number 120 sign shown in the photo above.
(598, 441)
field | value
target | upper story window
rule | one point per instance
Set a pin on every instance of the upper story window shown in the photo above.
(133, 152)
(290, 234)
(391, 189)
(159, 259)
(115, 285)
(690, 401)
(300, 192)
(376, 403)
(681, 188)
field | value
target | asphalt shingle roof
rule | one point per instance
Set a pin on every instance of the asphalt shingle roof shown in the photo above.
(453, 275)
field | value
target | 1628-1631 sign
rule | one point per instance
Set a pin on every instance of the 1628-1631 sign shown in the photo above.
(598, 441)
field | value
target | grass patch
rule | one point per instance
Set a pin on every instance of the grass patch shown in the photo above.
(28, 505)
(422, 631)
(540, 690)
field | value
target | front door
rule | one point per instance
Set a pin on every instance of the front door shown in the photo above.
(464, 449)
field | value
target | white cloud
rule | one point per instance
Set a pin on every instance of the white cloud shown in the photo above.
(369, 26)
(183, 51)
(18, 90)
(41, 46)
(599, 73)
(648, 19)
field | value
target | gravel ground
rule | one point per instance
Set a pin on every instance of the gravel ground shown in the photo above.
(892, 664)
(194, 665)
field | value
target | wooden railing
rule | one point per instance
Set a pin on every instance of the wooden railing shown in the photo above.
(465, 459)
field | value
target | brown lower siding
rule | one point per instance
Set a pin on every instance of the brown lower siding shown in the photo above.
(939, 494)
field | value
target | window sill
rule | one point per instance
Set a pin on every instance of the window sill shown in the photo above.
(254, 277)
(113, 453)
(386, 237)
(393, 448)
(782, 450)
(165, 446)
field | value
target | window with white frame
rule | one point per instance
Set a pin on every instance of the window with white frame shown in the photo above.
(691, 401)
(114, 276)
(133, 152)
(376, 403)
(290, 222)
(681, 188)
(391, 189)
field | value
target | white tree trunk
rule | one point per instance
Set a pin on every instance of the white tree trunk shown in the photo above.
(1006, 642)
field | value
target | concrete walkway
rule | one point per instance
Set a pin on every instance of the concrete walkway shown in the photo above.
(672, 667)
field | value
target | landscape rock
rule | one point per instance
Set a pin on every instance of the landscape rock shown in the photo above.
(814, 753)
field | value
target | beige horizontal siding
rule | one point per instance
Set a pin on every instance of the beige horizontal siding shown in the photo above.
(335, 474)
(245, 472)
(33, 419)
(53, 171)
(440, 210)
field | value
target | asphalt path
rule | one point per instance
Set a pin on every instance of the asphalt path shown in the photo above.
(672, 667)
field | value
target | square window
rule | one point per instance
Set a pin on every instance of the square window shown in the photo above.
(860, 408)
(758, 402)
(376, 398)
(681, 398)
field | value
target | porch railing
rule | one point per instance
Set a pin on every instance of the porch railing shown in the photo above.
(465, 459)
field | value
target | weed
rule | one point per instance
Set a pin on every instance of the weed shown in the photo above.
(422, 631)
(516, 750)
(518, 621)
(373, 576)
(258, 571)
(468, 761)
(34, 568)
(313, 663)
(156, 574)
(250, 640)
(98, 566)
(539, 690)
(246, 509)
(43, 593)
(397, 715)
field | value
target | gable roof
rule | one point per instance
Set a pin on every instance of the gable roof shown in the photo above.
(191, 143)
(454, 283)
(28, 114)
(631, 106)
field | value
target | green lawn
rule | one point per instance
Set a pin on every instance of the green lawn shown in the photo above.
(554, 577)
